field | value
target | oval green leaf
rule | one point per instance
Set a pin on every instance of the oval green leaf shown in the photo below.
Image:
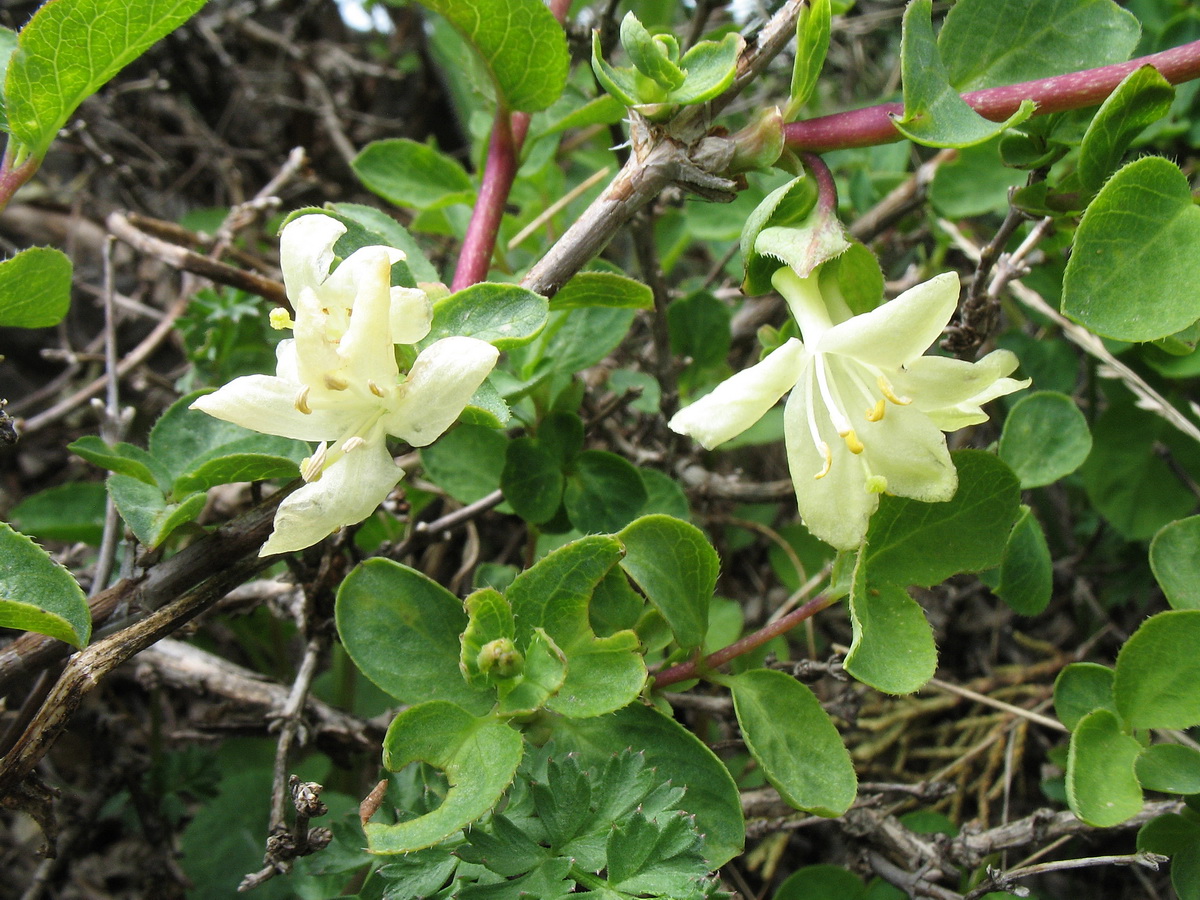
(602, 289)
(532, 481)
(415, 175)
(402, 630)
(892, 649)
(1082, 688)
(478, 755)
(1102, 788)
(1133, 270)
(1141, 99)
(1027, 572)
(1045, 438)
(504, 315)
(37, 594)
(603, 492)
(1172, 768)
(795, 742)
(676, 568)
(68, 50)
(35, 288)
(1158, 670)
(521, 44)
(1175, 561)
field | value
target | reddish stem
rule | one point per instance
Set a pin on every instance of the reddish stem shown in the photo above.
(873, 125)
(12, 178)
(827, 198)
(499, 171)
(695, 668)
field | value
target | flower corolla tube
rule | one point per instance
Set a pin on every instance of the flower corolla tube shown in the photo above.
(337, 381)
(867, 409)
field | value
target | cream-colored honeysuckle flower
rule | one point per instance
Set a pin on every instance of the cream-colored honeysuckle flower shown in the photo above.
(867, 409)
(337, 381)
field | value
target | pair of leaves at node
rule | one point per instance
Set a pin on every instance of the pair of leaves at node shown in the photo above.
(1109, 711)
(551, 481)
(560, 638)
(158, 489)
(661, 79)
(615, 828)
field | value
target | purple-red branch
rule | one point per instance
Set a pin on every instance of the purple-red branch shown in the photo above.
(696, 668)
(1076, 90)
(11, 178)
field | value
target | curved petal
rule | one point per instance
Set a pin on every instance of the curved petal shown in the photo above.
(366, 350)
(285, 361)
(837, 507)
(740, 401)
(440, 384)
(909, 451)
(951, 392)
(343, 283)
(306, 251)
(268, 404)
(899, 331)
(412, 315)
(347, 492)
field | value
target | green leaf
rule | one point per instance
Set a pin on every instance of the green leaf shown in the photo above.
(147, 512)
(676, 568)
(402, 630)
(788, 205)
(561, 435)
(504, 315)
(934, 114)
(532, 481)
(974, 183)
(795, 742)
(1141, 99)
(1172, 768)
(985, 44)
(605, 289)
(1133, 269)
(123, 458)
(1082, 688)
(892, 649)
(711, 67)
(603, 674)
(35, 288)
(521, 44)
(466, 462)
(543, 676)
(1126, 478)
(575, 339)
(812, 46)
(1175, 560)
(8, 46)
(1158, 670)
(231, 466)
(490, 620)
(67, 512)
(1045, 438)
(478, 755)
(67, 51)
(1102, 788)
(390, 233)
(603, 492)
(415, 175)
(1185, 873)
(699, 328)
(656, 857)
(656, 57)
(1169, 834)
(821, 882)
(1026, 572)
(910, 542)
(37, 594)
(677, 756)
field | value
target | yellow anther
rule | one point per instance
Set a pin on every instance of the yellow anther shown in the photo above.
(353, 444)
(313, 466)
(302, 401)
(852, 441)
(335, 382)
(374, 388)
(828, 454)
(875, 414)
(280, 319)
(885, 387)
(876, 484)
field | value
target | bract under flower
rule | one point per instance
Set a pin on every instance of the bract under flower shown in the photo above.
(337, 381)
(867, 410)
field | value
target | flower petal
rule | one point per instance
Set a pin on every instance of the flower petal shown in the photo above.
(441, 383)
(909, 450)
(899, 331)
(412, 315)
(366, 350)
(306, 251)
(951, 391)
(837, 507)
(268, 404)
(347, 492)
(740, 401)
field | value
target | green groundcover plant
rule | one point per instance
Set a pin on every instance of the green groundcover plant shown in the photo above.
(740, 397)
